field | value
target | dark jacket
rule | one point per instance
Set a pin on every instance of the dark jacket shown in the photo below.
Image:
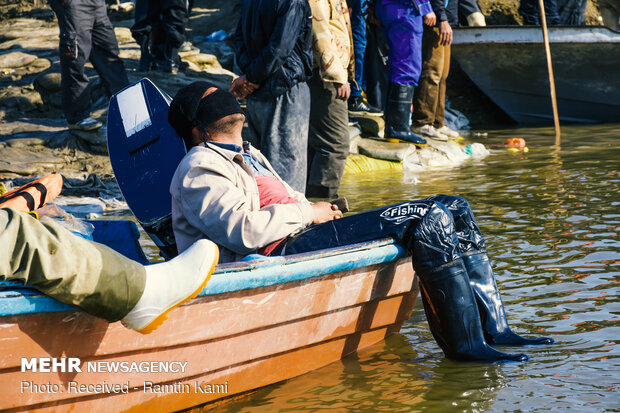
(273, 42)
(440, 6)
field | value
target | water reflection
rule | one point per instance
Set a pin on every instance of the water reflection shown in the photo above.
(551, 219)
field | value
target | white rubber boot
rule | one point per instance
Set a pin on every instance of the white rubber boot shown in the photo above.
(171, 284)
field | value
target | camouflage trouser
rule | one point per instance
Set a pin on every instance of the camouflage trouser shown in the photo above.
(279, 128)
(68, 268)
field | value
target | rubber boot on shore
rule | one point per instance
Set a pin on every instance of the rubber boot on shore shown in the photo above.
(449, 302)
(494, 321)
(398, 115)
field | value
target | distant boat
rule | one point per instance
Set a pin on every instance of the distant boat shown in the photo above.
(508, 64)
(256, 323)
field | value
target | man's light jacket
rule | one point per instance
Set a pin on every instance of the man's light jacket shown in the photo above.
(215, 196)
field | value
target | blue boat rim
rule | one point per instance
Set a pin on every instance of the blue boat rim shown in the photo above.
(16, 299)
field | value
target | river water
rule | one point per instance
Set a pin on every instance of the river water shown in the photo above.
(551, 219)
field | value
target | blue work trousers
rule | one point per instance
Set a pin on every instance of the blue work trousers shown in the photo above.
(359, 10)
(402, 29)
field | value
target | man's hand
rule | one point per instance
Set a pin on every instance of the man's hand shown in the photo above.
(241, 87)
(324, 211)
(445, 33)
(343, 90)
(430, 19)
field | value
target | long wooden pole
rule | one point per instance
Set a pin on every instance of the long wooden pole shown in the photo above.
(554, 103)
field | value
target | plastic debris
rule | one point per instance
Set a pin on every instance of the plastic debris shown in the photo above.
(56, 214)
(216, 36)
(516, 145)
(455, 119)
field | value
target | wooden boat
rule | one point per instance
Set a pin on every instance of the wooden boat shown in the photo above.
(256, 323)
(508, 64)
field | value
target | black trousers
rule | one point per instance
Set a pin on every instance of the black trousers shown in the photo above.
(458, 232)
(163, 21)
(375, 67)
(146, 20)
(86, 34)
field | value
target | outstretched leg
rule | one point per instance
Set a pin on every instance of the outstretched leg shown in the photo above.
(481, 278)
(426, 229)
(95, 278)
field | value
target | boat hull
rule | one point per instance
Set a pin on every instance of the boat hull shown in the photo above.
(232, 341)
(509, 65)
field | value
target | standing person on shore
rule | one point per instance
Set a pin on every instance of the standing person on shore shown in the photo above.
(357, 103)
(465, 13)
(86, 33)
(376, 63)
(159, 29)
(429, 99)
(401, 21)
(334, 66)
(274, 53)
(146, 22)
(530, 11)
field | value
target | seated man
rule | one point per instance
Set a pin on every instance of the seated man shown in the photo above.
(96, 278)
(226, 191)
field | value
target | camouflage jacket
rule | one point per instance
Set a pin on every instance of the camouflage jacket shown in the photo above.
(332, 43)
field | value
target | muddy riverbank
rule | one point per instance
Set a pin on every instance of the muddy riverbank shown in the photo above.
(34, 138)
